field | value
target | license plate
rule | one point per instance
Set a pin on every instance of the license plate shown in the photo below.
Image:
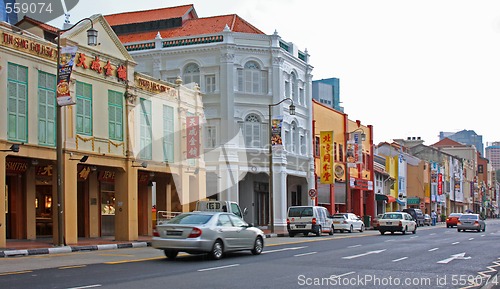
(336, 222)
(173, 233)
(301, 226)
(388, 223)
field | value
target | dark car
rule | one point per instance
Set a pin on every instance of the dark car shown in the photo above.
(417, 215)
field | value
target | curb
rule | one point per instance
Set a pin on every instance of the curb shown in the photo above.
(69, 249)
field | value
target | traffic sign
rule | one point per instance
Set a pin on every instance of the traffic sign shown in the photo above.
(313, 193)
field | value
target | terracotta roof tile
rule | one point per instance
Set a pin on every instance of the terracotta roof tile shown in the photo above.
(35, 22)
(150, 15)
(197, 26)
(447, 142)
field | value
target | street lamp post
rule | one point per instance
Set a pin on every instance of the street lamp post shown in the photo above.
(291, 109)
(92, 41)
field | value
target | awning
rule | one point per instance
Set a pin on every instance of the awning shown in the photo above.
(400, 202)
(380, 197)
(413, 201)
(390, 199)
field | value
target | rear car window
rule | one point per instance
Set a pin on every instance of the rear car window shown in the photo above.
(191, 219)
(338, 216)
(300, 212)
(469, 217)
(392, 216)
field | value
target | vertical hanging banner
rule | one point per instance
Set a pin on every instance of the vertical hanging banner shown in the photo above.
(66, 60)
(358, 148)
(440, 184)
(193, 137)
(326, 157)
(276, 139)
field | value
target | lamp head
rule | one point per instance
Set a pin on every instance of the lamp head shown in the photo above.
(291, 108)
(14, 148)
(92, 37)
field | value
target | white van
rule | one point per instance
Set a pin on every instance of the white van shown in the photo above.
(308, 219)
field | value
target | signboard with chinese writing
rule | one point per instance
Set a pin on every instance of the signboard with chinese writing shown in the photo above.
(326, 157)
(66, 60)
(440, 184)
(276, 132)
(193, 137)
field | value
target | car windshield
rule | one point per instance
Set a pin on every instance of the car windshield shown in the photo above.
(191, 219)
(469, 217)
(300, 212)
(392, 216)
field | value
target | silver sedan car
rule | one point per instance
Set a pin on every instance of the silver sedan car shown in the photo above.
(471, 222)
(214, 233)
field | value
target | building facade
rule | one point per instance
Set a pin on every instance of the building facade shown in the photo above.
(245, 77)
(327, 92)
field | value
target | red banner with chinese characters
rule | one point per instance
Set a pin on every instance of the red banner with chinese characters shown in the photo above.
(193, 137)
(326, 157)
(440, 184)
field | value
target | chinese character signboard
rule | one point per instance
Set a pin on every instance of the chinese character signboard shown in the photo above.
(66, 60)
(193, 137)
(276, 132)
(440, 184)
(326, 157)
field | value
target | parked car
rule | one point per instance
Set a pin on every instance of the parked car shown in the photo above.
(397, 222)
(416, 214)
(308, 219)
(375, 221)
(347, 222)
(471, 222)
(214, 233)
(452, 219)
(427, 220)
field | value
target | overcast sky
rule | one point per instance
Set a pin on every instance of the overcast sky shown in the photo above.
(409, 68)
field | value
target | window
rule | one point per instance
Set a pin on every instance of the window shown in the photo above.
(335, 155)
(302, 145)
(46, 109)
(115, 111)
(17, 108)
(210, 136)
(168, 133)
(252, 79)
(252, 131)
(316, 146)
(191, 73)
(341, 153)
(288, 141)
(171, 79)
(480, 169)
(301, 96)
(83, 108)
(146, 145)
(287, 89)
(295, 87)
(210, 83)
(293, 137)
(224, 221)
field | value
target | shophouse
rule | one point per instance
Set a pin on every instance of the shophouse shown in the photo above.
(252, 83)
(343, 162)
(117, 143)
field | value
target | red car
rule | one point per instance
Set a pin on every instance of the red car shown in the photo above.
(452, 219)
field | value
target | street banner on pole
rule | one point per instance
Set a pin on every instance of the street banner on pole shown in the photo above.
(66, 60)
(326, 157)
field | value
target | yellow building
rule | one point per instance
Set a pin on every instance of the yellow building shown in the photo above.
(125, 141)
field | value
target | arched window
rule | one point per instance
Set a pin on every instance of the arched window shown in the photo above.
(191, 73)
(252, 79)
(252, 131)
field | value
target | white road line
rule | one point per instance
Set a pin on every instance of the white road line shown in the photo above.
(470, 239)
(217, 268)
(341, 275)
(433, 249)
(284, 249)
(454, 243)
(483, 235)
(391, 240)
(304, 254)
(354, 246)
(400, 259)
(432, 234)
(364, 254)
(84, 287)
(413, 237)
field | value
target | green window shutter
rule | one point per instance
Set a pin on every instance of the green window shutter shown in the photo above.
(46, 109)
(115, 115)
(17, 105)
(84, 108)
(146, 145)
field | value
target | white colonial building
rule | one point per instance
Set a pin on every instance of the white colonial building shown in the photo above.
(241, 71)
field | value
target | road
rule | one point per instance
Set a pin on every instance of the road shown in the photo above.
(435, 257)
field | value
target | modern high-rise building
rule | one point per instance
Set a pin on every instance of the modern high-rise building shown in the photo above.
(468, 137)
(327, 92)
(493, 154)
(10, 17)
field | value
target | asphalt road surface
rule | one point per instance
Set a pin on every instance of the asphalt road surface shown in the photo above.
(435, 257)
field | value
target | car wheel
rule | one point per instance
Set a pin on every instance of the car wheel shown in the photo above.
(392, 232)
(447, 226)
(458, 230)
(217, 250)
(415, 231)
(362, 228)
(404, 230)
(171, 254)
(291, 234)
(382, 232)
(350, 229)
(318, 231)
(331, 231)
(258, 246)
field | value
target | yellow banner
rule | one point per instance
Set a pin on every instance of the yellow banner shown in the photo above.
(326, 157)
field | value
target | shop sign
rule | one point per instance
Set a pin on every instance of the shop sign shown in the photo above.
(326, 157)
(193, 137)
(107, 176)
(84, 173)
(29, 46)
(361, 184)
(143, 178)
(16, 166)
(44, 171)
(154, 86)
(101, 67)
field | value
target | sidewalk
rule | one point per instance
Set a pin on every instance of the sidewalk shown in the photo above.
(46, 246)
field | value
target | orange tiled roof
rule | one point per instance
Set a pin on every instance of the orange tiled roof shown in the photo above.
(197, 26)
(447, 142)
(35, 22)
(150, 15)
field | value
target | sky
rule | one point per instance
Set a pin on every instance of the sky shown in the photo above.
(408, 68)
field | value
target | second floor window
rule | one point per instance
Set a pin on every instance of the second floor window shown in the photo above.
(83, 108)
(209, 83)
(191, 73)
(115, 111)
(46, 109)
(17, 106)
(251, 79)
(210, 136)
(168, 133)
(146, 138)
(252, 131)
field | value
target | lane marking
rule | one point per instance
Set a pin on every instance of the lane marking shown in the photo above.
(341, 275)
(470, 239)
(89, 286)
(305, 254)
(136, 260)
(454, 243)
(284, 249)
(217, 268)
(354, 246)
(71, 267)
(364, 254)
(433, 249)
(400, 259)
(390, 240)
(460, 256)
(413, 237)
(432, 234)
(15, 273)
(483, 235)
